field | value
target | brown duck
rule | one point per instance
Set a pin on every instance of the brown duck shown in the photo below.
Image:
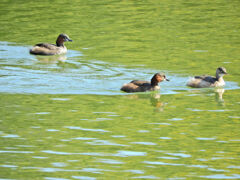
(142, 86)
(51, 49)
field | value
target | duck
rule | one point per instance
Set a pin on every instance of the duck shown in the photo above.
(142, 86)
(205, 81)
(51, 49)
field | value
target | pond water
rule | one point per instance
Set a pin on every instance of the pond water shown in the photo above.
(64, 117)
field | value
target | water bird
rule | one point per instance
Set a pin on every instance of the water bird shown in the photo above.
(205, 81)
(51, 49)
(142, 86)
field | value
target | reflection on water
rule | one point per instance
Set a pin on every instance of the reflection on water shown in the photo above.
(154, 99)
(66, 74)
(64, 117)
(57, 134)
(52, 59)
(157, 103)
(219, 95)
(217, 92)
(70, 74)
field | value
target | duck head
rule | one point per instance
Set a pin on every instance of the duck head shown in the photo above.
(62, 38)
(157, 78)
(220, 72)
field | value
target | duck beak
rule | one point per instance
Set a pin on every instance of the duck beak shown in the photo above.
(70, 40)
(167, 79)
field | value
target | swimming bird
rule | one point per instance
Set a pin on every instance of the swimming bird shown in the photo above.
(51, 49)
(142, 86)
(208, 81)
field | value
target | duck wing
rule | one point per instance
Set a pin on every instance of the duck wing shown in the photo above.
(44, 49)
(139, 82)
(207, 78)
(131, 87)
(47, 46)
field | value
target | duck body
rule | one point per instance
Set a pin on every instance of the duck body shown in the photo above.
(142, 86)
(139, 86)
(205, 81)
(51, 49)
(48, 49)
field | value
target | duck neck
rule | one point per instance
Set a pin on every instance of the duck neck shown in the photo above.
(59, 44)
(154, 82)
(59, 41)
(219, 77)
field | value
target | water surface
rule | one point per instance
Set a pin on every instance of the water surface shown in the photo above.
(64, 117)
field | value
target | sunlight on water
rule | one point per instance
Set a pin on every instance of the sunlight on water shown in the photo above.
(70, 74)
(64, 117)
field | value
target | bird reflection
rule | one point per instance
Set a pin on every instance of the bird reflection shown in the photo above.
(52, 59)
(154, 100)
(219, 95)
(217, 91)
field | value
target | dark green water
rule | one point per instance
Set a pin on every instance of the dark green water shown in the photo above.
(64, 117)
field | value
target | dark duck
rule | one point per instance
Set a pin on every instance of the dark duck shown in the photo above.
(142, 86)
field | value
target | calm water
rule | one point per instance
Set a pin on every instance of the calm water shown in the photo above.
(64, 117)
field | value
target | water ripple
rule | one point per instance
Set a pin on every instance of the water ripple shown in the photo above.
(130, 153)
(67, 153)
(41, 75)
(59, 164)
(146, 177)
(205, 139)
(180, 154)
(57, 152)
(161, 163)
(104, 142)
(84, 138)
(145, 143)
(52, 178)
(16, 152)
(85, 129)
(10, 136)
(135, 171)
(110, 161)
(8, 166)
(83, 177)
(221, 176)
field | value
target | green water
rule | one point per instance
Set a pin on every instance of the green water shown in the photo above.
(64, 117)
